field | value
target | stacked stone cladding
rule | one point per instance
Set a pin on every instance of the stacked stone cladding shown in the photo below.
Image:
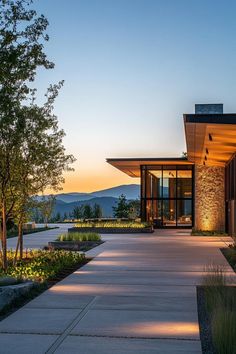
(209, 198)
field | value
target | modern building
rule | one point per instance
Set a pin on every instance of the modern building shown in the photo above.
(198, 190)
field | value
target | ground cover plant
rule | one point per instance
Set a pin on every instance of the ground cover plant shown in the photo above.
(113, 224)
(220, 306)
(208, 233)
(79, 236)
(41, 265)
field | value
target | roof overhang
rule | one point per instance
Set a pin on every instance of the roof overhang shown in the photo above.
(131, 166)
(210, 138)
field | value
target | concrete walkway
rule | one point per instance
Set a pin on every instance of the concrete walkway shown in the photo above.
(40, 239)
(138, 295)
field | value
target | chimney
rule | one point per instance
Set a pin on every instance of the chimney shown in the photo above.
(209, 108)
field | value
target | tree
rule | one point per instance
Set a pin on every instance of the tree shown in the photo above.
(46, 206)
(88, 211)
(78, 212)
(58, 216)
(65, 216)
(121, 210)
(97, 211)
(32, 156)
(134, 209)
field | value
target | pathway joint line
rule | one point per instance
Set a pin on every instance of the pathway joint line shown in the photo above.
(67, 331)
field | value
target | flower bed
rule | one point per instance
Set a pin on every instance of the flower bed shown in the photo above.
(38, 265)
(110, 227)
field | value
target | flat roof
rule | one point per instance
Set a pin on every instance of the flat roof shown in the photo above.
(131, 166)
(210, 138)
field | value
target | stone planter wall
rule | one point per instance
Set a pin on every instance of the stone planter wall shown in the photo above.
(73, 245)
(11, 292)
(112, 230)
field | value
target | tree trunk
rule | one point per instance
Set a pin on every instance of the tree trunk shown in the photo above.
(17, 249)
(20, 236)
(4, 236)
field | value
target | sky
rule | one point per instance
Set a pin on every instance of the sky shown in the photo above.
(131, 69)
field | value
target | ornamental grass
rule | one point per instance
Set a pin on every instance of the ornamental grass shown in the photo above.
(220, 302)
(79, 236)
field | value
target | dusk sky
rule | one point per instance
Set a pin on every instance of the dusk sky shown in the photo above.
(131, 69)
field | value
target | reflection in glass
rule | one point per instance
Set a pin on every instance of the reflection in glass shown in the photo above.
(169, 213)
(169, 183)
(184, 184)
(156, 183)
(184, 212)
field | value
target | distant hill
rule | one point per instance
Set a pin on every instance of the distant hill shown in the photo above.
(131, 191)
(73, 197)
(106, 203)
(106, 198)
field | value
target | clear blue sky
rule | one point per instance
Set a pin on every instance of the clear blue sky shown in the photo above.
(131, 69)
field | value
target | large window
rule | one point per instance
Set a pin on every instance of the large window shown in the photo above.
(167, 195)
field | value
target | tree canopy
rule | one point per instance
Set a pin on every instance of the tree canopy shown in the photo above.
(32, 155)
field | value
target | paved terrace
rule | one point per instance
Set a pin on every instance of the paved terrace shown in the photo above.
(138, 295)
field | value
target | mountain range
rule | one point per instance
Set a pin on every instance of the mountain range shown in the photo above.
(106, 198)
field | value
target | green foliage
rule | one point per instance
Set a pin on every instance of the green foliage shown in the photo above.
(214, 281)
(113, 224)
(208, 233)
(32, 155)
(134, 209)
(41, 265)
(78, 212)
(220, 302)
(224, 329)
(79, 236)
(46, 205)
(97, 211)
(88, 211)
(122, 209)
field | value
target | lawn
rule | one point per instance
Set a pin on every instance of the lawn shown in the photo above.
(14, 233)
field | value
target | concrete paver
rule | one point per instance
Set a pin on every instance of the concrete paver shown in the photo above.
(138, 295)
(88, 345)
(25, 343)
(41, 321)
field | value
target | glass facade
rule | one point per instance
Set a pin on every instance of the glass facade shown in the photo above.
(167, 194)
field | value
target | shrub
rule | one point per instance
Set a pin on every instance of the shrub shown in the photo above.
(79, 236)
(113, 224)
(208, 233)
(38, 265)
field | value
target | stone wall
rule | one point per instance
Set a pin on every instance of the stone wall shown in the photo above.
(209, 198)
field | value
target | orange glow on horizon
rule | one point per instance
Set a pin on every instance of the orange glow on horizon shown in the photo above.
(87, 179)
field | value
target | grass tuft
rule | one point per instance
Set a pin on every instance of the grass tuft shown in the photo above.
(220, 303)
(79, 236)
